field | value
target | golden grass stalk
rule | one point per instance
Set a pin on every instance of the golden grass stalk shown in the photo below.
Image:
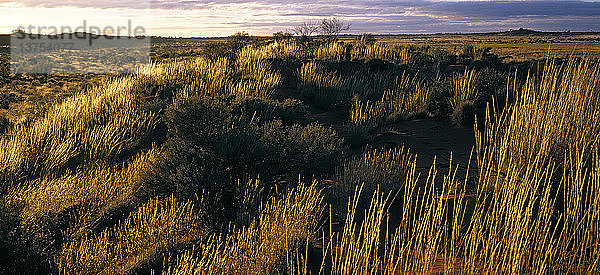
(266, 245)
(153, 228)
(462, 89)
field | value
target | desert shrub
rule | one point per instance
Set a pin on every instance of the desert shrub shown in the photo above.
(239, 40)
(438, 104)
(5, 124)
(311, 150)
(20, 255)
(487, 60)
(288, 69)
(289, 111)
(463, 114)
(246, 146)
(188, 171)
(491, 85)
(356, 136)
(197, 120)
(7, 98)
(443, 58)
(232, 138)
(468, 53)
(227, 49)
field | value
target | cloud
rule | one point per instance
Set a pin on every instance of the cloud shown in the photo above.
(197, 17)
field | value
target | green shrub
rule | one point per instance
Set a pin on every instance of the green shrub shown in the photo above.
(289, 111)
(311, 150)
(251, 146)
(195, 120)
(463, 114)
(438, 104)
(5, 124)
(356, 136)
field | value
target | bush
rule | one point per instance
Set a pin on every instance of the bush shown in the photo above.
(289, 111)
(438, 104)
(5, 124)
(311, 150)
(356, 136)
(249, 145)
(463, 114)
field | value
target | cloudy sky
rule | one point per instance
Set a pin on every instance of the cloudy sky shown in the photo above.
(262, 17)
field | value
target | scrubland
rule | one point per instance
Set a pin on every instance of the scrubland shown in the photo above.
(257, 157)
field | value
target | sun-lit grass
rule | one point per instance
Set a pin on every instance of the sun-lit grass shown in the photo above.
(150, 172)
(406, 97)
(534, 211)
(150, 230)
(538, 170)
(382, 51)
(263, 247)
(462, 88)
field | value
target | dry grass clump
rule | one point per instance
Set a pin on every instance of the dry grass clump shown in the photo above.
(333, 52)
(538, 171)
(314, 74)
(406, 97)
(91, 194)
(265, 246)
(109, 180)
(222, 77)
(552, 113)
(383, 170)
(462, 90)
(535, 208)
(278, 49)
(357, 247)
(463, 94)
(382, 51)
(100, 125)
(74, 171)
(327, 88)
(329, 51)
(421, 230)
(113, 119)
(151, 229)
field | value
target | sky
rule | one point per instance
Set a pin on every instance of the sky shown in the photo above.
(203, 18)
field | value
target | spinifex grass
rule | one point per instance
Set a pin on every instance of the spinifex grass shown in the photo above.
(263, 247)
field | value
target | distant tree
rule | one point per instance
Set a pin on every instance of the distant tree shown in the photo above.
(240, 36)
(240, 39)
(331, 28)
(306, 29)
(282, 35)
